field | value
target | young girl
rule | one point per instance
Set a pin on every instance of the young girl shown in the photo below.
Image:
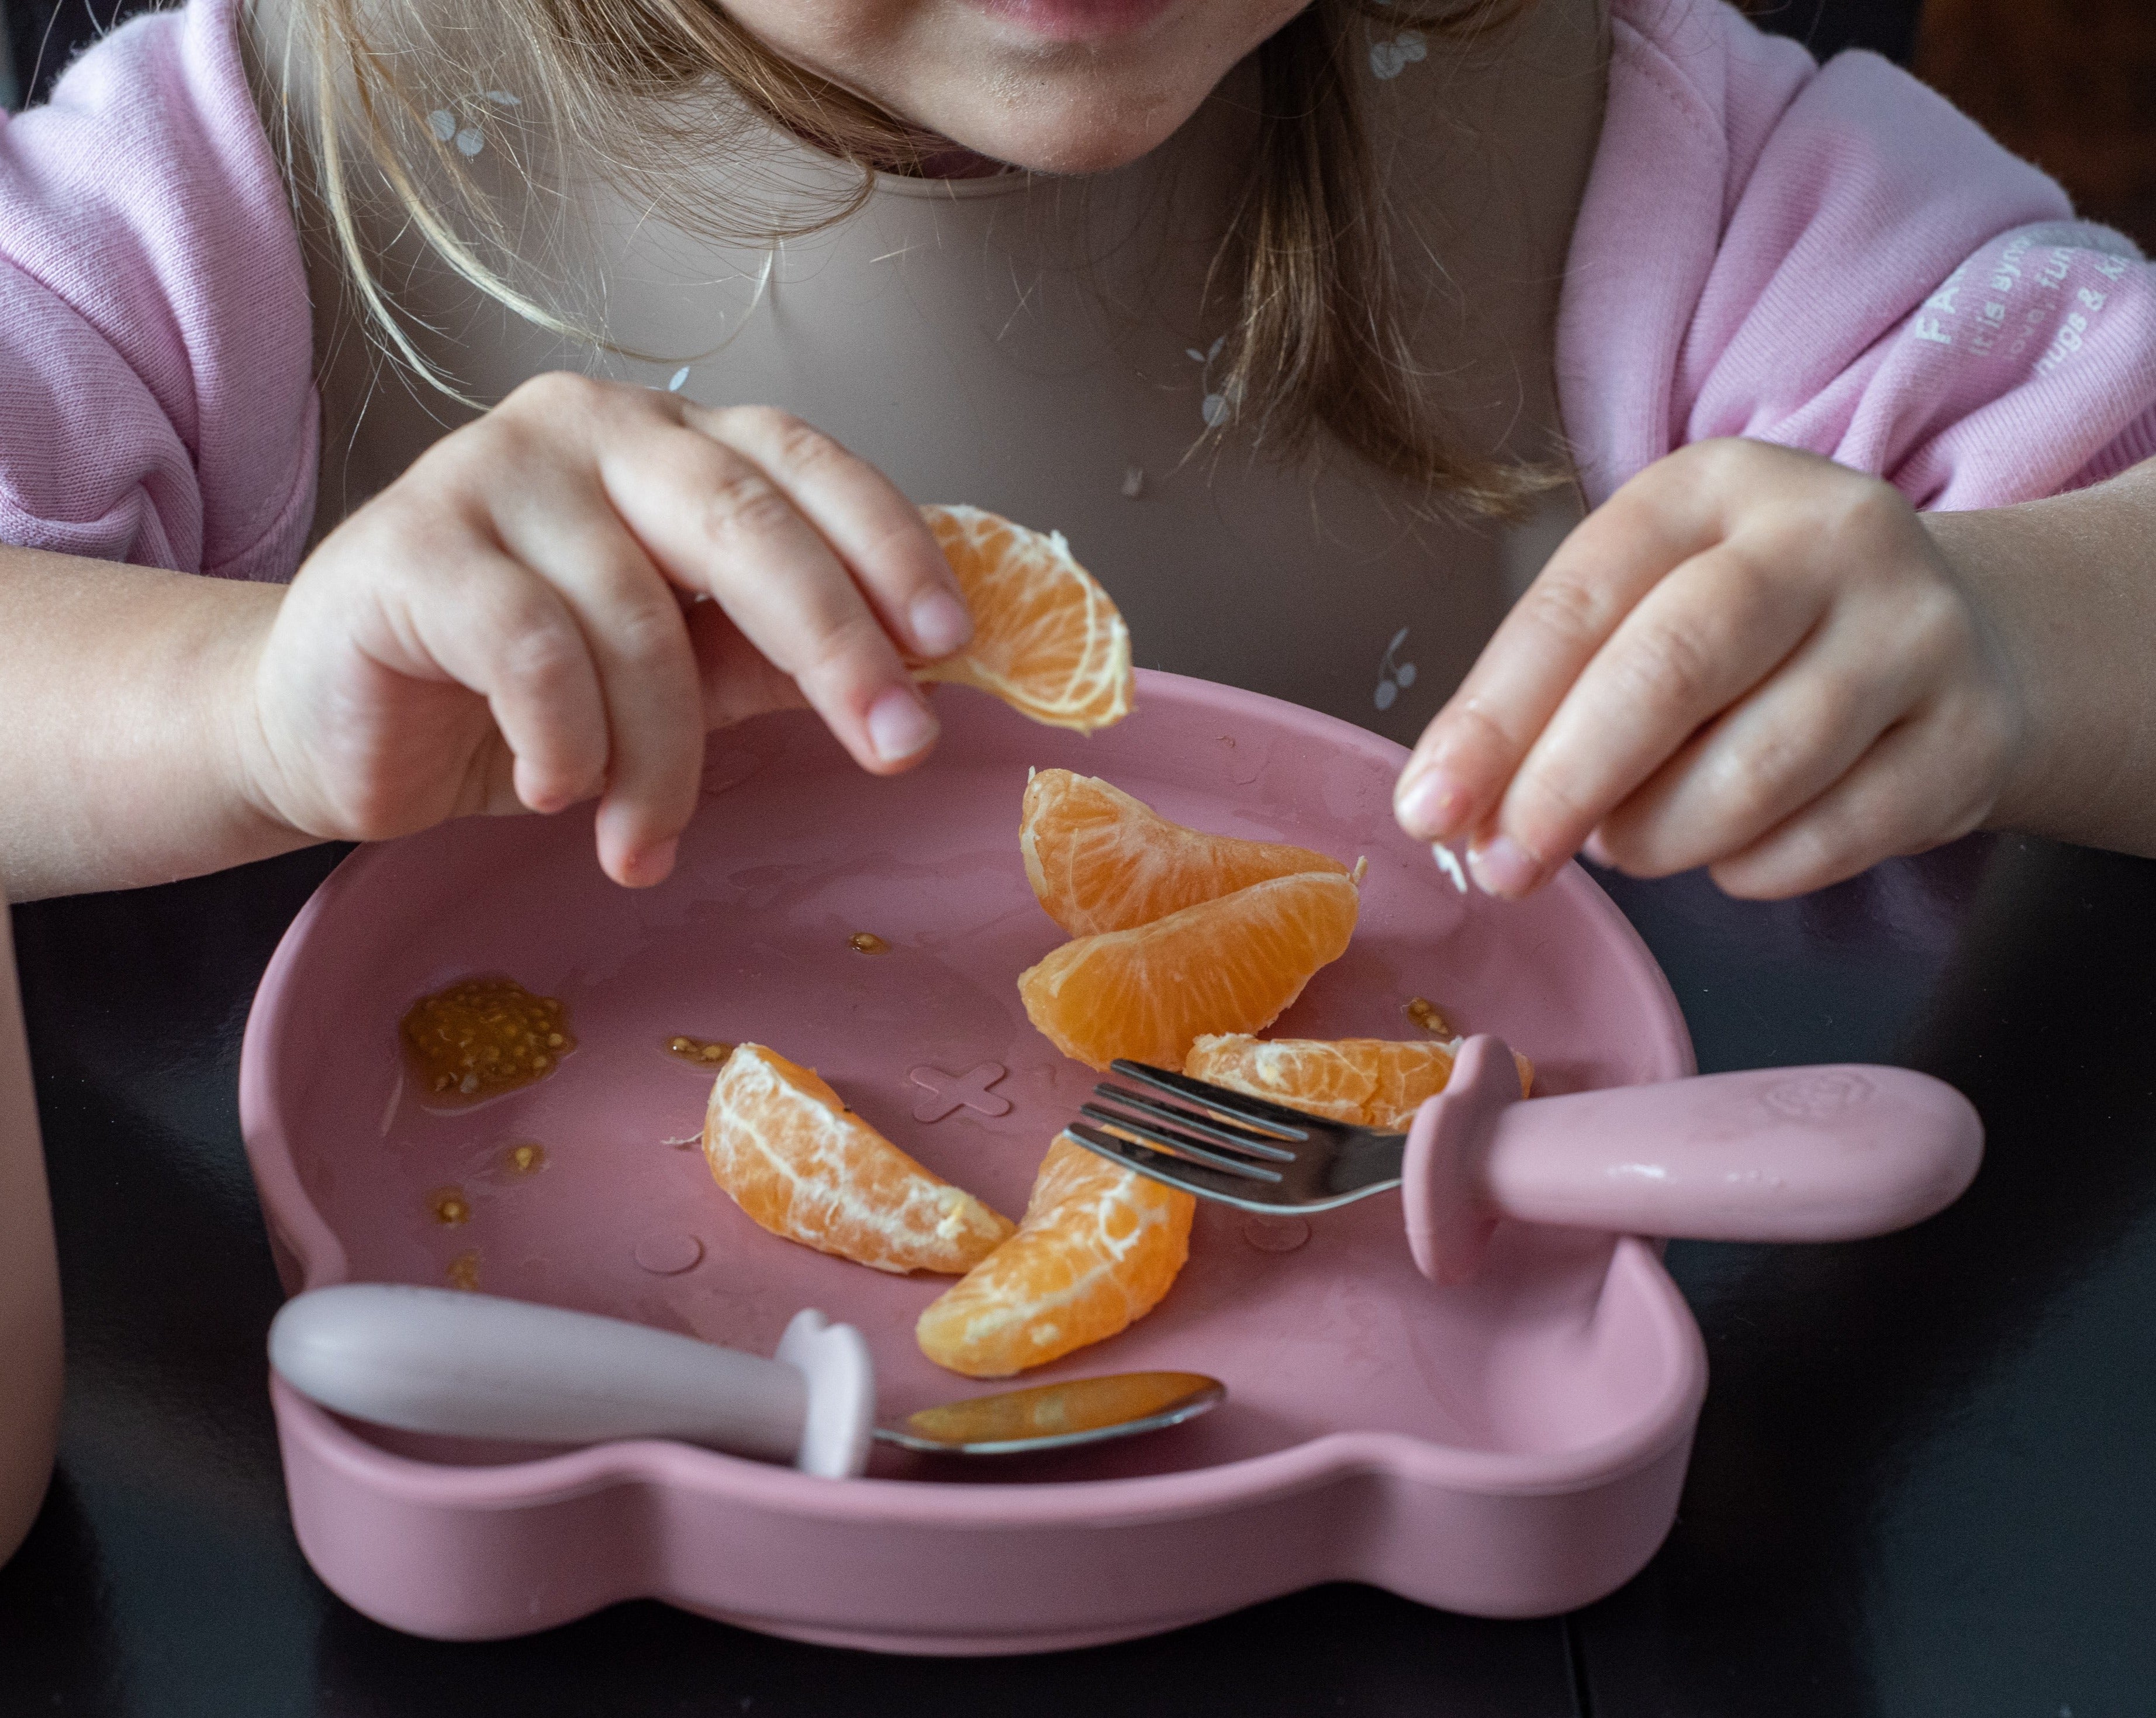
(506, 331)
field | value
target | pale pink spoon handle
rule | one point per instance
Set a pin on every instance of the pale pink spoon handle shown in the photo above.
(1786, 1154)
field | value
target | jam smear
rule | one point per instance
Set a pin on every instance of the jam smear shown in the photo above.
(1424, 1013)
(704, 1054)
(867, 943)
(463, 1272)
(485, 1036)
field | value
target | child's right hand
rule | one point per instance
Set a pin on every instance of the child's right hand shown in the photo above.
(508, 624)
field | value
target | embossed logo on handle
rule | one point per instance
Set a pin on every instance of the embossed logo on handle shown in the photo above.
(1814, 1097)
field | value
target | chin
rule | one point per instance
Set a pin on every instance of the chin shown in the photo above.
(1075, 143)
(1076, 156)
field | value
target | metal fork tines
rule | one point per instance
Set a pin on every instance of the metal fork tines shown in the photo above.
(1222, 1144)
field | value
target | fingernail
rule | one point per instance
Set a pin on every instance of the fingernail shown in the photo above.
(1429, 806)
(899, 724)
(1503, 867)
(940, 622)
(1595, 849)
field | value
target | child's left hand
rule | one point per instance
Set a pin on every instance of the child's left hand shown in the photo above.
(1748, 659)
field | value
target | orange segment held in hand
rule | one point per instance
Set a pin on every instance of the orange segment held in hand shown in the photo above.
(1098, 1247)
(789, 1153)
(1368, 1082)
(1101, 861)
(1229, 965)
(1047, 641)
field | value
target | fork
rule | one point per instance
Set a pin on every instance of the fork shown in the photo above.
(1833, 1153)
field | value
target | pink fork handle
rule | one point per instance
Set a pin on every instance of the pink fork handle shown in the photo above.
(1788, 1153)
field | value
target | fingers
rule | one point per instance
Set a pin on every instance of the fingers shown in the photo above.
(636, 647)
(1465, 760)
(718, 521)
(1695, 644)
(739, 681)
(513, 612)
(1928, 781)
(416, 671)
(824, 576)
(1730, 641)
(873, 528)
(1764, 761)
(511, 637)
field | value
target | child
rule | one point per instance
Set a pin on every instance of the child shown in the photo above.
(1280, 312)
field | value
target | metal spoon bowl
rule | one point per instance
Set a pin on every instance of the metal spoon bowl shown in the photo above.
(1057, 1416)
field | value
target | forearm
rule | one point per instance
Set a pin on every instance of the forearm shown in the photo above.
(2068, 587)
(123, 691)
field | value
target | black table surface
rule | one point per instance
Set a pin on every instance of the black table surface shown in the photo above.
(1925, 1479)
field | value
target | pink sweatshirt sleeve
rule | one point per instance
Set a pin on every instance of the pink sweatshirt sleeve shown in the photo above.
(1835, 260)
(155, 346)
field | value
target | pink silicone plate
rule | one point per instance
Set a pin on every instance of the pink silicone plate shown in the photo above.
(1512, 1447)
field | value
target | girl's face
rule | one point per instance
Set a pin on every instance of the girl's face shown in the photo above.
(1069, 87)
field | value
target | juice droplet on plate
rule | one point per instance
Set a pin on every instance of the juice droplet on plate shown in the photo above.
(449, 1206)
(463, 1272)
(867, 943)
(1424, 1013)
(525, 1159)
(485, 1036)
(704, 1053)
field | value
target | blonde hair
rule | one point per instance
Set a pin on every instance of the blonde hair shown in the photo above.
(1319, 337)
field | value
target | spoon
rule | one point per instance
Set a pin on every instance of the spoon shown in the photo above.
(476, 1365)
(1057, 1416)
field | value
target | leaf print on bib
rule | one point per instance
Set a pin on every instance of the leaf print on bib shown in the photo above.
(462, 125)
(1389, 59)
(1393, 678)
(1218, 404)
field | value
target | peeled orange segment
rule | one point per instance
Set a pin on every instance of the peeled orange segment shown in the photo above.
(789, 1153)
(1101, 861)
(1098, 1247)
(1229, 965)
(1046, 639)
(1369, 1082)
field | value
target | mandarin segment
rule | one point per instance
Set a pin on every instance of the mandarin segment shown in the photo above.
(1229, 965)
(789, 1153)
(1098, 1248)
(1368, 1082)
(1100, 860)
(1047, 640)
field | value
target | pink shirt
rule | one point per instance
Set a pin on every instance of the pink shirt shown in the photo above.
(1835, 260)
(156, 352)
(1832, 258)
